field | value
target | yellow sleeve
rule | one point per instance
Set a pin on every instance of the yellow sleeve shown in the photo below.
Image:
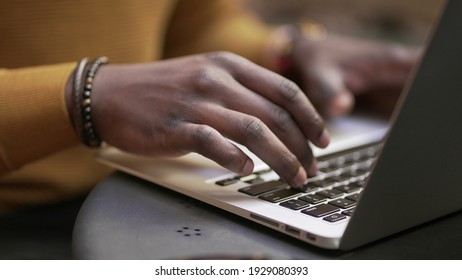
(211, 25)
(33, 116)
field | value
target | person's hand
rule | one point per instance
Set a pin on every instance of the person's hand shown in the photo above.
(191, 104)
(338, 71)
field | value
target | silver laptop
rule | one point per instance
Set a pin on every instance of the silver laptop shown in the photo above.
(375, 180)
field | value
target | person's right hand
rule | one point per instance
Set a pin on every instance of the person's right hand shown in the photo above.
(192, 104)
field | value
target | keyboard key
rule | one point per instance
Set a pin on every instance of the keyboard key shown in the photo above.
(350, 159)
(322, 163)
(279, 195)
(320, 210)
(328, 169)
(349, 212)
(337, 161)
(360, 171)
(349, 188)
(262, 187)
(342, 203)
(347, 173)
(345, 161)
(295, 204)
(254, 181)
(369, 153)
(339, 178)
(264, 171)
(328, 181)
(354, 197)
(310, 186)
(313, 198)
(361, 182)
(333, 193)
(335, 217)
(227, 182)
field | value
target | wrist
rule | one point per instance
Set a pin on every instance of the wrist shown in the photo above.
(69, 98)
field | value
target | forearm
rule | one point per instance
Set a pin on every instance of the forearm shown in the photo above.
(34, 121)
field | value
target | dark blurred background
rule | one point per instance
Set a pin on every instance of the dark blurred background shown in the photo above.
(405, 21)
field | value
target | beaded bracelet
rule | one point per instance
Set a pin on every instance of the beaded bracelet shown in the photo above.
(83, 84)
(77, 95)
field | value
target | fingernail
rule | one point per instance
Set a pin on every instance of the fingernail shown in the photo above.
(247, 168)
(324, 139)
(300, 178)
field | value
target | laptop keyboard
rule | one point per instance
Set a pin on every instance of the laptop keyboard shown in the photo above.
(331, 195)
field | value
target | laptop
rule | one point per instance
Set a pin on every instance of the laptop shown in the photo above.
(378, 180)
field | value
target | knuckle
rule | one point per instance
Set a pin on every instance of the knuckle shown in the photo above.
(289, 90)
(222, 56)
(207, 78)
(253, 129)
(202, 137)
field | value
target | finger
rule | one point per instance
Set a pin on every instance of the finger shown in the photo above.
(282, 92)
(278, 120)
(258, 138)
(326, 89)
(211, 144)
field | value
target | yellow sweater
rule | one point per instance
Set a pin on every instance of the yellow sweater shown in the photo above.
(41, 160)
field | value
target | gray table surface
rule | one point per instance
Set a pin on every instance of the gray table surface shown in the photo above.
(127, 218)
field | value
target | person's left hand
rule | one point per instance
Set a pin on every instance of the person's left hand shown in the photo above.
(338, 71)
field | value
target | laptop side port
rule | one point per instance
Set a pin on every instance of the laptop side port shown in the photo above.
(292, 230)
(311, 237)
(265, 220)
